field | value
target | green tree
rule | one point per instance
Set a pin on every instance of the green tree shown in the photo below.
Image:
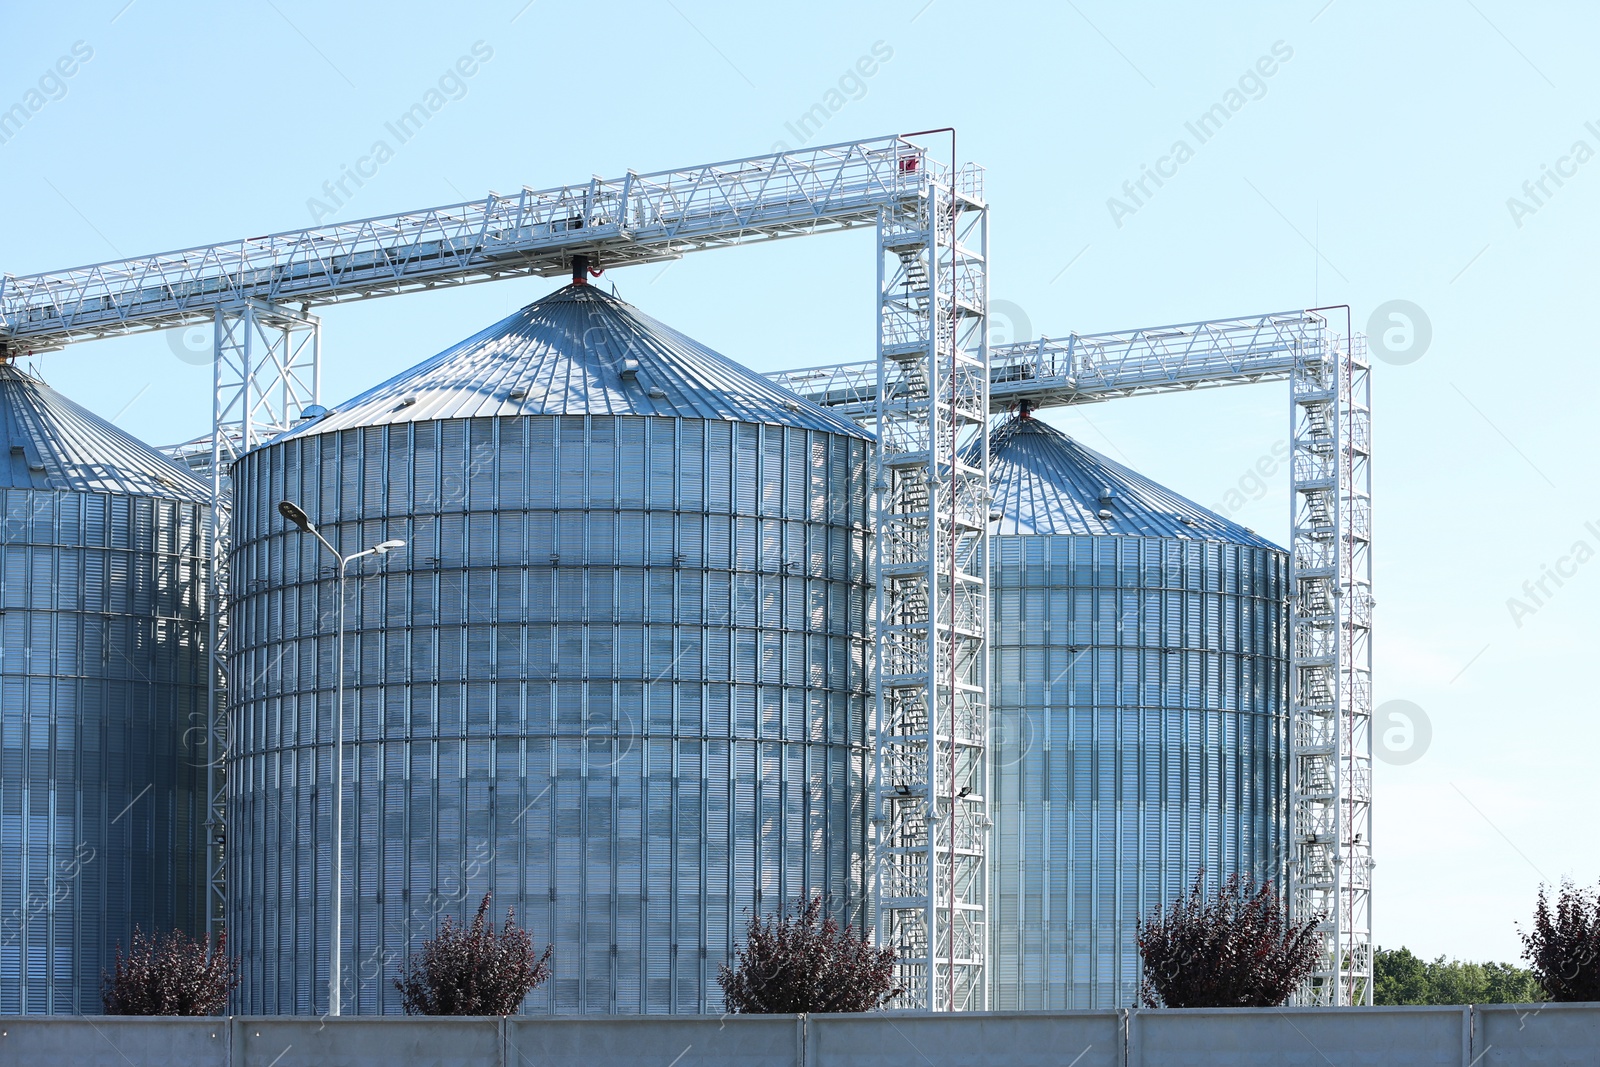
(1403, 978)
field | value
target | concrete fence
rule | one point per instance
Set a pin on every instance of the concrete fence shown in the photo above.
(1482, 1036)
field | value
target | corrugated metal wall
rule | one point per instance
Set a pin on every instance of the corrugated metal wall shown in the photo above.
(1138, 736)
(102, 735)
(617, 677)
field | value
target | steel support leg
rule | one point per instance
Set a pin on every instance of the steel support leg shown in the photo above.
(267, 368)
(1330, 649)
(932, 504)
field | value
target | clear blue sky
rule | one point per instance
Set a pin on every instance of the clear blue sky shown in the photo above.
(1374, 164)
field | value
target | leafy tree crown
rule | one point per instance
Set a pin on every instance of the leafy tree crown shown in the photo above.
(473, 970)
(1563, 945)
(1234, 949)
(170, 974)
(804, 962)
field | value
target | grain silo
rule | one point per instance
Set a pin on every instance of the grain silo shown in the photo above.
(617, 676)
(103, 564)
(1139, 713)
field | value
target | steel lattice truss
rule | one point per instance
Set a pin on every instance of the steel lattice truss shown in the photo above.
(638, 218)
(932, 382)
(1330, 649)
(1081, 368)
(932, 509)
(267, 367)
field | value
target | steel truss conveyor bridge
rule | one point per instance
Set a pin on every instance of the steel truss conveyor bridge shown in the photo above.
(927, 392)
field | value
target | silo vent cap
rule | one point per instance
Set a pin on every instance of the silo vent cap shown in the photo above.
(517, 394)
(1105, 513)
(1107, 495)
(658, 393)
(630, 369)
(406, 401)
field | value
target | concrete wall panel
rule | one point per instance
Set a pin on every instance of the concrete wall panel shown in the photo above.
(995, 1039)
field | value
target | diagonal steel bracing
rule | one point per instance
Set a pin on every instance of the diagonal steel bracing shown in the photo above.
(267, 366)
(932, 504)
(1085, 368)
(1330, 651)
(637, 218)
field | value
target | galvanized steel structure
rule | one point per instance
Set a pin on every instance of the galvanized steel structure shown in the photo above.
(1329, 870)
(1330, 394)
(930, 519)
(271, 283)
(104, 556)
(619, 677)
(1140, 716)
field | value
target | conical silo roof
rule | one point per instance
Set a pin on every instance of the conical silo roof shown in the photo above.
(1044, 482)
(579, 351)
(53, 444)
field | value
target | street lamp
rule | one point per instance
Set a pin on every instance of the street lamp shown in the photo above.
(298, 517)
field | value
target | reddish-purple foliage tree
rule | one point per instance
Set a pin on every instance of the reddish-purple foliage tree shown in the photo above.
(1234, 950)
(800, 964)
(170, 974)
(473, 970)
(1563, 948)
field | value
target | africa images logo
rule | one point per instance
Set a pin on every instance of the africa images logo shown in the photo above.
(1252, 85)
(451, 85)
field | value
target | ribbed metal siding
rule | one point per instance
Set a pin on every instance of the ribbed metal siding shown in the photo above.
(618, 677)
(102, 736)
(1139, 736)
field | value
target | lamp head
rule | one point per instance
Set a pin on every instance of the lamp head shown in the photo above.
(387, 546)
(291, 511)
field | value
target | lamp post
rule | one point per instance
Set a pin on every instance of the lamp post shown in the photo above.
(295, 515)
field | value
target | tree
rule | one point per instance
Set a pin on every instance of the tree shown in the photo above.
(170, 974)
(1563, 948)
(474, 970)
(800, 964)
(1402, 978)
(1236, 949)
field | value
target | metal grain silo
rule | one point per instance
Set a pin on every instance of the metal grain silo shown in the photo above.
(617, 676)
(103, 564)
(1139, 713)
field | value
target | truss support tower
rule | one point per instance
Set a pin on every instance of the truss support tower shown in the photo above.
(267, 369)
(1330, 685)
(932, 505)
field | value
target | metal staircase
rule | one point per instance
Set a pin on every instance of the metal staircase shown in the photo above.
(1330, 574)
(931, 541)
